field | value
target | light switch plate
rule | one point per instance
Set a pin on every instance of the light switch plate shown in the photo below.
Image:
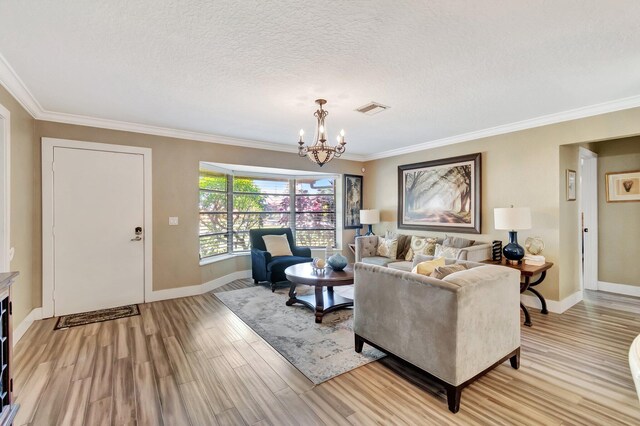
(173, 221)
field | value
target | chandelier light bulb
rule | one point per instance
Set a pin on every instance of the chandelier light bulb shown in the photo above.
(342, 133)
(321, 129)
(301, 132)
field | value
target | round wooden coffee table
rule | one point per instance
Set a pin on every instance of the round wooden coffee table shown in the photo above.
(322, 301)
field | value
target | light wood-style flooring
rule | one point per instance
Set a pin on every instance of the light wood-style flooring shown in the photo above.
(192, 361)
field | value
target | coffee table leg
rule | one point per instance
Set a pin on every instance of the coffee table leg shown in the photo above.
(319, 304)
(292, 295)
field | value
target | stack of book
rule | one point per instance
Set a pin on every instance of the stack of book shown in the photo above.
(534, 260)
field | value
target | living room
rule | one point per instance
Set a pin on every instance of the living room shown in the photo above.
(226, 88)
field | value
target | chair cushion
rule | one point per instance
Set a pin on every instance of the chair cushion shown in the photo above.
(279, 264)
(377, 260)
(277, 245)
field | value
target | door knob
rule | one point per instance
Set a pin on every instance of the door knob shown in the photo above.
(137, 238)
(586, 229)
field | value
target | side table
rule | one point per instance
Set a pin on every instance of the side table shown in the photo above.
(526, 273)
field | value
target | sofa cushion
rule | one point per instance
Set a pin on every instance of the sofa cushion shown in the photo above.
(442, 271)
(428, 266)
(457, 242)
(401, 266)
(277, 245)
(421, 245)
(281, 263)
(377, 260)
(387, 247)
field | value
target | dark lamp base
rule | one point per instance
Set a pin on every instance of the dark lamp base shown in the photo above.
(513, 251)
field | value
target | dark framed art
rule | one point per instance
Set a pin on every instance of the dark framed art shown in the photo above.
(352, 201)
(441, 195)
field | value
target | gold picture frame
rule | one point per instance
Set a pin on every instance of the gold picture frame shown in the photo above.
(571, 185)
(623, 187)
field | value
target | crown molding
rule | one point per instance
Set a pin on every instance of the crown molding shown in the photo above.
(14, 84)
(545, 120)
(81, 120)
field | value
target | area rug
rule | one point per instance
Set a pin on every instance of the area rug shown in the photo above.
(85, 318)
(319, 351)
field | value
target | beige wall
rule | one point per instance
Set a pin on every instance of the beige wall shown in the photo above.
(519, 168)
(22, 207)
(175, 193)
(618, 223)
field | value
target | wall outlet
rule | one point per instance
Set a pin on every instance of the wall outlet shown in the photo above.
(173, 221)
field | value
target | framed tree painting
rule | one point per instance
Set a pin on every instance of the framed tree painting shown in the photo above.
(441, 195)
(352, 201)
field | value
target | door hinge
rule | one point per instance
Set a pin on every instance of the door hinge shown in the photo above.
(10, 385)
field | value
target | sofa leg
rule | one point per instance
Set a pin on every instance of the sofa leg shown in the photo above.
(515, 359)
(256, 282)
(273, 287)
(359, 343)
(454, 394)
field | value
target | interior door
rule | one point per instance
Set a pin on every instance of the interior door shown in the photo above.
(589, 213)
(98, 199)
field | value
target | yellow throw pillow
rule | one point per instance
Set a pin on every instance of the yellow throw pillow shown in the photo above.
(277, 245)
(428, 266)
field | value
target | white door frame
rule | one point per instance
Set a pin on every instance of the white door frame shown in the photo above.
(48, 145)
(5, 191)
(588, 201)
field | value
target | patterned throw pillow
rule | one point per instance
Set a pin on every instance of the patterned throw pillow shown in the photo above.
(442, 271)
(449, 252)
(421, 245)
(387, 247)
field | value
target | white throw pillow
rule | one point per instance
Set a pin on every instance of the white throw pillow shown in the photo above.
(448, 252)
(387, 247)
(277, 245)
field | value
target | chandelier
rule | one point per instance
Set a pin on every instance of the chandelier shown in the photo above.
(321, 152)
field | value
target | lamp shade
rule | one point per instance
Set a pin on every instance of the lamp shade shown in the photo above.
(512, 218)
(369, 217)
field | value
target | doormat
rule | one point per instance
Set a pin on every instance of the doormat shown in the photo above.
(101, 315)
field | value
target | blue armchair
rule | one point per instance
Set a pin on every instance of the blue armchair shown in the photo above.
(264, 267)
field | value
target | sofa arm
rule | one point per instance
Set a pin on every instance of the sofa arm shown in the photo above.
(487, 323)
(476, 252)
(366, 247)
(301, 251)
(259, 261)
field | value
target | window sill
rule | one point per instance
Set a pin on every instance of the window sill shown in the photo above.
(221, 258)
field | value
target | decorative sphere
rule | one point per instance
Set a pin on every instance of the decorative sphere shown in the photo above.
(534, 245)
(318, 263)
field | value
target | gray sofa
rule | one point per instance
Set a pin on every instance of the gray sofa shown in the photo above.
(454, 329)
(366, 248)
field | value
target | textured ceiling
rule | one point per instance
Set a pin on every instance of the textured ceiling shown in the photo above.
(252, 69)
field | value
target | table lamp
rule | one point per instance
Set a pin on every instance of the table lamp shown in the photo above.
(369, 217)
(512, 219)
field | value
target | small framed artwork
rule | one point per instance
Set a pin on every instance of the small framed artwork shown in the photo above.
(571, 185)
(623, 186)
(441, 195)
(352, 201)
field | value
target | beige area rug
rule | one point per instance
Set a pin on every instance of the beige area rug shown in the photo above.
(319, 351)
(85, 318)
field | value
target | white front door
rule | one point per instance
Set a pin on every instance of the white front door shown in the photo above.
(98, 202)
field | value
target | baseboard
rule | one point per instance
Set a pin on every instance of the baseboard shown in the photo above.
(557, 307)
(22, 328)
(626, 289)
(193, 290)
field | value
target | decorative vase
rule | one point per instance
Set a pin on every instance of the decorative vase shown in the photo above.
(337, 262)
(513, 251)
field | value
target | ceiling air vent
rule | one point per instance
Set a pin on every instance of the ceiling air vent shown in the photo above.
(372, 108)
